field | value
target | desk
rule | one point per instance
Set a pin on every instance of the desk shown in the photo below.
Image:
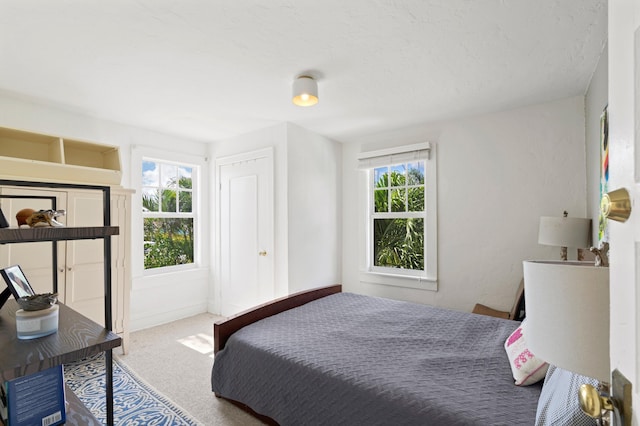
(77, 337)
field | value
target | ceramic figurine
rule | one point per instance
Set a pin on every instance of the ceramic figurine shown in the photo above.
(602, 254)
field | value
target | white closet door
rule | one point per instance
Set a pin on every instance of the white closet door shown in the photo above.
(246, 232)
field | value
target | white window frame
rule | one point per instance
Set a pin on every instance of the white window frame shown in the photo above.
(195, 172)
(426, 279)
(200, 188)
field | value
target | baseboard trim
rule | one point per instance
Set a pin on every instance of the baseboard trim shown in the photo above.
(149, 319)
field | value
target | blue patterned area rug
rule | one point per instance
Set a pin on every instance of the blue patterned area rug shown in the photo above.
(134, 401)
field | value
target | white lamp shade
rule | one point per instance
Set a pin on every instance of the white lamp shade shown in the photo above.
(305, 91)
(567, 322)
(565, 231)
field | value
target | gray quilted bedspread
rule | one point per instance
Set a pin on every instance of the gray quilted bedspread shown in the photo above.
(349, 359)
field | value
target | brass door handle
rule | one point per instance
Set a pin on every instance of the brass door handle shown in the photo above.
(262, 253)
(592, 403)
(616, 205)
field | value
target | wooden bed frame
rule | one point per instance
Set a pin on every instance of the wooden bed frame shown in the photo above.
(223, 329)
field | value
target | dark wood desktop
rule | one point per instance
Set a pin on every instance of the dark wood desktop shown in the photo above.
(77, 337)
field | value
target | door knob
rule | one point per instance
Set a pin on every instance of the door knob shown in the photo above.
(262, 253)
(616, 205)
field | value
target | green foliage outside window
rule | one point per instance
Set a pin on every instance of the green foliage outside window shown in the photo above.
(167, 242)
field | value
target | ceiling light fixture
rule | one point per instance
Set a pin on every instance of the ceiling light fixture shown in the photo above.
(305, 91)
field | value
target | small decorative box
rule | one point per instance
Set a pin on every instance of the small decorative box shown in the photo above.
(33, 324)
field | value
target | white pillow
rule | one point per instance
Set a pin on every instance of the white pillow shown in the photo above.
(526, 368)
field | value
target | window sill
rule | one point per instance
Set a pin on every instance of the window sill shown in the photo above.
(397, 280)
(172, 269)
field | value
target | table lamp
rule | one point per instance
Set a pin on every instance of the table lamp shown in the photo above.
(568, 322)
(565, 232)
(568, 315)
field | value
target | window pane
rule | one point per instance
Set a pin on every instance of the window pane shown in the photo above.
(185, 177)
(185, 201)
(398, 243)
(381, 200)
(150, 199)
(169, 175)
(416, 199)
(415, 175)
(150, 174)
(168, 201)
(397, 175)
(167, 242)
(399, 200)
(381, 177)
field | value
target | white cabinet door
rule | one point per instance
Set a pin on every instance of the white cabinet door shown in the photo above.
(84, 273)
(85, 258)
(35, 259)
(80, 269)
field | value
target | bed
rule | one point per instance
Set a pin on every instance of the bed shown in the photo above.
(328, 357)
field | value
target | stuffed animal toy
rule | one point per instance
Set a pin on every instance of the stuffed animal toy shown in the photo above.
(45, 218)
(22, 216)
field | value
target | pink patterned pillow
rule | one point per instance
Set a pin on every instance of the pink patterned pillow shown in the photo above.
(527, 369)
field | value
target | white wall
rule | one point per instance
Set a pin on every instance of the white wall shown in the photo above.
(314, 186)
(497, 174)
(157, 299)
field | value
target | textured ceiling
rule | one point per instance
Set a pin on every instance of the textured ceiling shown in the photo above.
(211, 69)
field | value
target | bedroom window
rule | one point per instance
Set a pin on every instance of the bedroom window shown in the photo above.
(401, 216)
(168, 213)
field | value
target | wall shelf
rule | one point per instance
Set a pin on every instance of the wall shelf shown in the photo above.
(30, 235)
(52, 158)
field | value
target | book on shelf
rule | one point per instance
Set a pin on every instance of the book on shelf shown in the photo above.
(36, 399)
(3, 404)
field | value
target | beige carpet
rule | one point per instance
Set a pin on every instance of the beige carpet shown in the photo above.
(176, 359)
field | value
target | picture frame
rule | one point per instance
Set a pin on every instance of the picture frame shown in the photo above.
(17, 281)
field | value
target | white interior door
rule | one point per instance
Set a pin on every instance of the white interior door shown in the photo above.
(246, 231)
(624, 166)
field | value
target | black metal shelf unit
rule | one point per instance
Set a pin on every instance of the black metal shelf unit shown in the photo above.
(20, 235)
